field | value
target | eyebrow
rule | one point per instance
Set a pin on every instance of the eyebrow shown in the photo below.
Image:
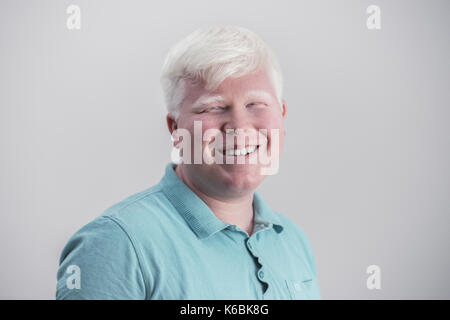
(259, 94)
(207, 99)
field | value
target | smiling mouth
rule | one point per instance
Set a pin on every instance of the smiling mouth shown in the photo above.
(240, 152)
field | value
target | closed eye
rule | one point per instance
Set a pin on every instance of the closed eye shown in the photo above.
(256, 104)
(213, 108)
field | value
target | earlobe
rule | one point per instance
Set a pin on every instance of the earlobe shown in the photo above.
(171, 123)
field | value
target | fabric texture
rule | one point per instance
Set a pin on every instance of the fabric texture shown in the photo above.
(165, 243)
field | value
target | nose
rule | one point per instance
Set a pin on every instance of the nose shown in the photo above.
(237, 120)
(239, 126)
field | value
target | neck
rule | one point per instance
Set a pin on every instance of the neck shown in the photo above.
(236, 211)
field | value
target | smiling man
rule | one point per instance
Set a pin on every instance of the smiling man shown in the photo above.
(203, 232)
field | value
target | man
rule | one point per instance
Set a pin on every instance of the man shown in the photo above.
(203, 232)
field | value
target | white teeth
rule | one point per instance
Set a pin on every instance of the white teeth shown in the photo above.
(241, 152)
(251, 149)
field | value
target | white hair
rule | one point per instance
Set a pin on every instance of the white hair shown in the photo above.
(213, 54)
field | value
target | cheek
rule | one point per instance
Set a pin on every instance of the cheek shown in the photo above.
(272, 122)
(275, 131)
(209, 122)
(197, 125)
(210, 127)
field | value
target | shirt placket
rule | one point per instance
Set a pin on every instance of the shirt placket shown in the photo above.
(262, 273)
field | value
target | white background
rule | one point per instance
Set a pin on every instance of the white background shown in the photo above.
(365, 168)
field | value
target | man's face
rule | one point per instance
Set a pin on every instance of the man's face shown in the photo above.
(247, 104)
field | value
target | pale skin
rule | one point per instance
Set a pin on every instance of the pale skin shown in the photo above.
(227, 189)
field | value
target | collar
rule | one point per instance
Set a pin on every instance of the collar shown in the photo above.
(199, 216)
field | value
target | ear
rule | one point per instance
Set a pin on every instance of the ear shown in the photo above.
(283, 114)
(284, 109)
(171, 123)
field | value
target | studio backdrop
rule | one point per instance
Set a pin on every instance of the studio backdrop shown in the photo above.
(365, 166)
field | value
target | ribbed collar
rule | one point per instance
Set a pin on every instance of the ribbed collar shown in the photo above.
(199, 216)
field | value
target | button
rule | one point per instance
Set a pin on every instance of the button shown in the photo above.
(249, 245)
(297, 286)
(261, 274)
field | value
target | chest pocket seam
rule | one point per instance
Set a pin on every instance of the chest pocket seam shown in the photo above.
(301, 289)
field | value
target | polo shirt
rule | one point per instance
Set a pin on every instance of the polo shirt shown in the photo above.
(166, 243)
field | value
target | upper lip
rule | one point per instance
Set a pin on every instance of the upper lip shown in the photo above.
(238, 148)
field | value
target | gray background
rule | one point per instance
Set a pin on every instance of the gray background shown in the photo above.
(365, 169)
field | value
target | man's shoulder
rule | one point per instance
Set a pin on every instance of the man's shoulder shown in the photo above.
(134, 199)
(148, 205)
(140, 217)
(122, 226)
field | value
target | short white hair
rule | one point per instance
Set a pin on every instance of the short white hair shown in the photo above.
(213, 54)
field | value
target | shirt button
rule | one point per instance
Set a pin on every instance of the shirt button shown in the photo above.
(249, 245)
(261, 274)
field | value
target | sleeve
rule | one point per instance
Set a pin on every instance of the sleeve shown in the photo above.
(100, 262)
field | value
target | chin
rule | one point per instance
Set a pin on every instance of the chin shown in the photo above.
(242, 179)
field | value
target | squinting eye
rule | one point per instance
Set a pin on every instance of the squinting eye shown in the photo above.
(255, 103)
(213, 108)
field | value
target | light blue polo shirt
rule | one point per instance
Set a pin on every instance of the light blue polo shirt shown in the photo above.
(165, 243)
